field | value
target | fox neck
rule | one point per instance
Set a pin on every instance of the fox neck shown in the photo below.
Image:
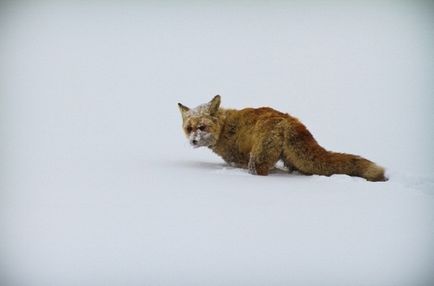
(222, 116)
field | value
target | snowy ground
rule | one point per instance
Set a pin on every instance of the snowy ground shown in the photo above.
(99, 186)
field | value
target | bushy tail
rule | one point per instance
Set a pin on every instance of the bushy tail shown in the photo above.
(307, 156)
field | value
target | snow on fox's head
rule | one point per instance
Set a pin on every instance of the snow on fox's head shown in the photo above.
(200, 124)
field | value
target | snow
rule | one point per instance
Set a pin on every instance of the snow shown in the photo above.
(199, 110)
(99, 185)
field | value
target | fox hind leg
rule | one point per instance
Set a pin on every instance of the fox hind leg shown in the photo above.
(264, 154)
(289, 166)
(260, 167)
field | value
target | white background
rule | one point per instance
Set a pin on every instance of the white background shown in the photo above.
(99, 186)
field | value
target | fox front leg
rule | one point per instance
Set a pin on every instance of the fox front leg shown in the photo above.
(252, 165)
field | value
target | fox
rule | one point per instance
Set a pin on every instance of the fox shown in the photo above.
(257, 138)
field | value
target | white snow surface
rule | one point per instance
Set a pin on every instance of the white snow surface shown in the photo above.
(99, 185)
(199, 110)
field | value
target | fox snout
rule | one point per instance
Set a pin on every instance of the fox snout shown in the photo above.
(194, 142)
(199, 138)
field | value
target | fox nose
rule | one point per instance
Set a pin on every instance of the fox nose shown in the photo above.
(194, 142)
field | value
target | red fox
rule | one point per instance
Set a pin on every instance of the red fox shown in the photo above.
(257, 138)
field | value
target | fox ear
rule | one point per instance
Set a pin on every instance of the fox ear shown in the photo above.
(184, 109)
(214, 104)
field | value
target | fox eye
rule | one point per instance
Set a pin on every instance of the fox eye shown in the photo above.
(189, 129)
(202, 128)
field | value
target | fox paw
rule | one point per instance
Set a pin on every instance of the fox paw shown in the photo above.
(257, 168)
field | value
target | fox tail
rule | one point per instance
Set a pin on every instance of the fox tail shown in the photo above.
(306, 155)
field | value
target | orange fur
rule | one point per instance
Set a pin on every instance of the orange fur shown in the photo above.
(256, 138)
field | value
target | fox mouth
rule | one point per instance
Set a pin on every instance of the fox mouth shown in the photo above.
(196, 144)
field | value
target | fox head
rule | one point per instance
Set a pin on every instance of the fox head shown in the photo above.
(201, 124)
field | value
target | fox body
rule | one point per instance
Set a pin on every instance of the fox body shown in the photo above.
(257, 138)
